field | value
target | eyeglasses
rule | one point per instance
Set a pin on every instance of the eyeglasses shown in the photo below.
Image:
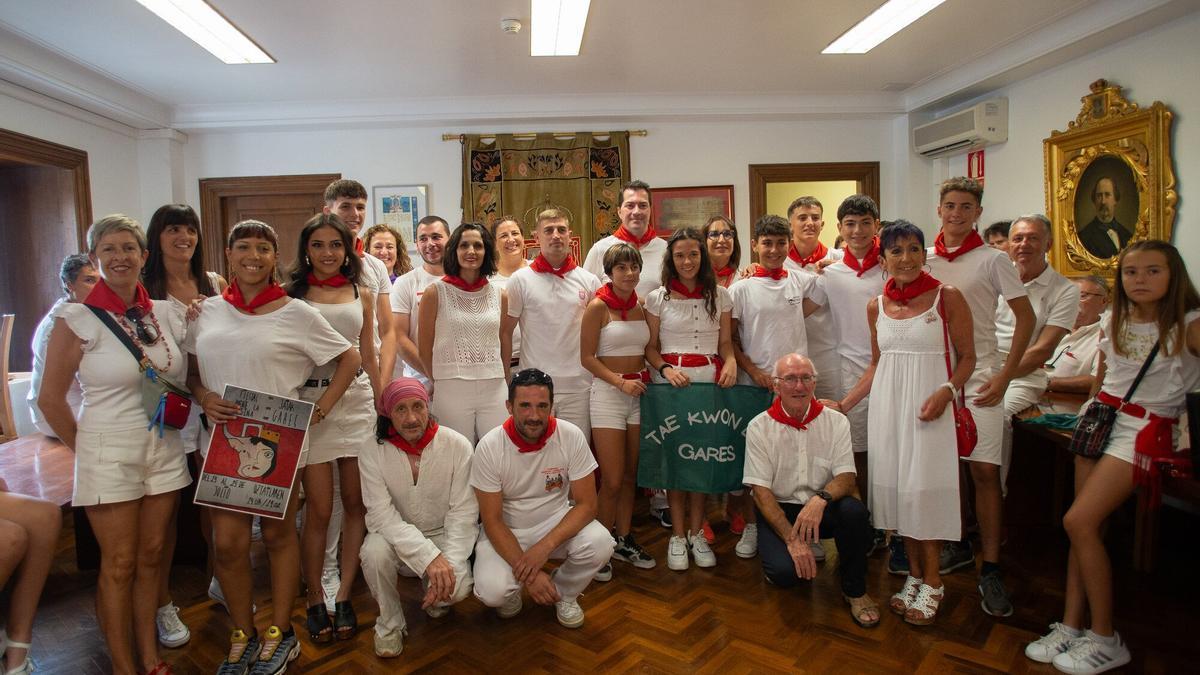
(793, 380)
(1086, 294)
(720, 234)
(146, 332)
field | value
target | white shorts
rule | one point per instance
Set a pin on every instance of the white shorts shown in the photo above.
(851, 372)
(122, 466)
(989, 421)
(1124, 433)
(613, 408)
(572, 406)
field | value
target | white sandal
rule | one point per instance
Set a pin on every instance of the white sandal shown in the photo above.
(26, 667)
(902, 600)
(924, 608)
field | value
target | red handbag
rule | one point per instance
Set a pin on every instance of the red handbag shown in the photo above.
(964, 422)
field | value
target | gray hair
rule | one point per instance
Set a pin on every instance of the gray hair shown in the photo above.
(1036, 218)
(1100, 283)
(112, 224)
(72, 265)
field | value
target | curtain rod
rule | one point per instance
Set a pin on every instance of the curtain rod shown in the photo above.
(531, 135)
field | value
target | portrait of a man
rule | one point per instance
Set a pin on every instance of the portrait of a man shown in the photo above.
(1107, 203)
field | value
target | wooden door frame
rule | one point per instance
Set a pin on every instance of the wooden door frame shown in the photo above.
(866, 174)
(213, 190)
(37, 152)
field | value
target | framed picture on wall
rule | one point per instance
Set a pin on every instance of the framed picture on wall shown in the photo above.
(677, 207)
(400, 207)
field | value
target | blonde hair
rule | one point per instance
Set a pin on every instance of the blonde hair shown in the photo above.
(112, 224)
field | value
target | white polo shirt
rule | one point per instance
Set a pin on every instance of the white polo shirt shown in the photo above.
(848, 295)
(535, 486)
(770, 314)
(982, 275)
(406, 299)
(652, 252)
(550, 310)
(795, 463)
(1055, 302)
(1076, 354)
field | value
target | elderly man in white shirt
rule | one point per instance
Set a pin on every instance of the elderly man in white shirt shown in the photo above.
(1072, 369)
(800, 466)
(421, 513)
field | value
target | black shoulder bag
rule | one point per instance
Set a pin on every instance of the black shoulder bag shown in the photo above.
(1096, 423)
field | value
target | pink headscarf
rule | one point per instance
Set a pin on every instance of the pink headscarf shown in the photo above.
(398, 390)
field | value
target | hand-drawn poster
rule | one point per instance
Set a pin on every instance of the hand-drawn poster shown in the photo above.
(252, 460)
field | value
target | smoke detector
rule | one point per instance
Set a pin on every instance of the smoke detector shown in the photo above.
(510, 26)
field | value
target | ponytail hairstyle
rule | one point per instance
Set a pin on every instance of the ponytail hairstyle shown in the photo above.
(706, 278)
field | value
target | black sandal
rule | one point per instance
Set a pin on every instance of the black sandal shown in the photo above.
(320, 630)
(345, 621)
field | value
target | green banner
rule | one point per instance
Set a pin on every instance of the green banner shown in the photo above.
(694, 438)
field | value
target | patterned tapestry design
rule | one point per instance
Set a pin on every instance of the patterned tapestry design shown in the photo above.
(583, 174)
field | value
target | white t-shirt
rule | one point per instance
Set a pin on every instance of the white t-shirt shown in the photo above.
(819, 326)
(770, 316)
(1055, 302)
(406, 299)
(375, 278)
(109, 375)
(1164, 389)
(501, 282)
(441, 502)
(982, 275)
(848, 296)
(1076, 354)
(550, 310)
(795, 463)
(535, 486)
(273, 353)
(41, 340)
(652, 252)
(684, 325)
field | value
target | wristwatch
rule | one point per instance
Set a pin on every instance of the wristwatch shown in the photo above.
(824, 494)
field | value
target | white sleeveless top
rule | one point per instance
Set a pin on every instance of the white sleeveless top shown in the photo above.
(347, 319)
(623, 338)
(466, 344)
(684, 325)
(1164, 389)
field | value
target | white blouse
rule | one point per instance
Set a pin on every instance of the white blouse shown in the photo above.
(684, 325)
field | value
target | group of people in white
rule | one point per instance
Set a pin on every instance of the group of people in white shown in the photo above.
(478, 387)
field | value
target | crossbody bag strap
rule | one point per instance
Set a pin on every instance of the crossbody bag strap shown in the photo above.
(1141, 373)
(105, 318)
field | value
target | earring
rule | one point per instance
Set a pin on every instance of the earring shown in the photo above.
(927, 268)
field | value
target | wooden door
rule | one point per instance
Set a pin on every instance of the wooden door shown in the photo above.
(283, 202)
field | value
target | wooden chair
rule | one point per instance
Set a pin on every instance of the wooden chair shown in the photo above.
(8, 426)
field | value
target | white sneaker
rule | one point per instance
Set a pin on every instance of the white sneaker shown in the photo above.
(171, 631)
(570, 614)
(1050, 645)
(390, 645)
(677, 554)
(818, 551)
(604, 573)
(1090, 654)
(437, 611)
(218, 596)
(331, 582)
(747, 546)
(511, 607)
(702, 553)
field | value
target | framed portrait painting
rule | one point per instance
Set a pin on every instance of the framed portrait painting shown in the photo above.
(1109, 181)
(678, 207)
(401, 207)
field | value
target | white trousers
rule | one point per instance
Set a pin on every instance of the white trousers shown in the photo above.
(1021, 393)
(470, 407)
(381, 567)
(583, 555)
(574, 407)
(850, 374)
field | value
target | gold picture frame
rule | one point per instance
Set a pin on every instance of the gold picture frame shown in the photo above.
(1109, 181)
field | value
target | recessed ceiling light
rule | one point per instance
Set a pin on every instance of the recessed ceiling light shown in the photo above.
(207, 28)
(883, 23)
(557, 27)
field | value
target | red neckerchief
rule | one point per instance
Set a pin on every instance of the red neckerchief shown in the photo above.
(676, 286)
(233, 295)
(870, 260)
(780, 415)
(359, 247)
(972, 241)
(542, 266)
(336, 281)
(609, 296)
(916, 287)
(459, 282)
(813, 258)
(523, 445)
(627, 236)
(726, 271)
(104, 297)
(414, 449)
(776, 274)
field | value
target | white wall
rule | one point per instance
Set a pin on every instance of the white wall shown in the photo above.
(1160, 64)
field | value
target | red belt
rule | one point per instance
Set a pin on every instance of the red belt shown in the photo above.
(696, 361)
(1151, 447)
(643, 376)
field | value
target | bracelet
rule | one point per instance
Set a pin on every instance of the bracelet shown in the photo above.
(318, 414)
(950, 385)
(205, 397)
(663, 367)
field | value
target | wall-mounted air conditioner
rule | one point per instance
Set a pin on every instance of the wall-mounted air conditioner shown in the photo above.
(980, 125)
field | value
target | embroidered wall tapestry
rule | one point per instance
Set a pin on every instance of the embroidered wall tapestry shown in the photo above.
(514, 176)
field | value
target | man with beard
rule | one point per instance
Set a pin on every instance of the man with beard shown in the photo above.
(1104, 237)
(432, 233)
(533, 479)
(636, 231)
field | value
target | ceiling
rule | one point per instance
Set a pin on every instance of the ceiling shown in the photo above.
(330, 53)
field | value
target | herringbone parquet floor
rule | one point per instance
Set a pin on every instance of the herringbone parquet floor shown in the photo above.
(723, 620)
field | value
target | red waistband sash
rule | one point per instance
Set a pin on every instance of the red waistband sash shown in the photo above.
(1152, 447)
(696, 361)
(643, 376)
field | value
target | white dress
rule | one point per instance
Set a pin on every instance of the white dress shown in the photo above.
(351, 422)
(913, 465)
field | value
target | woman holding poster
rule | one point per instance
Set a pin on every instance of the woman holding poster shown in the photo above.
(255, 337)
(127, 475)
(327, 278)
